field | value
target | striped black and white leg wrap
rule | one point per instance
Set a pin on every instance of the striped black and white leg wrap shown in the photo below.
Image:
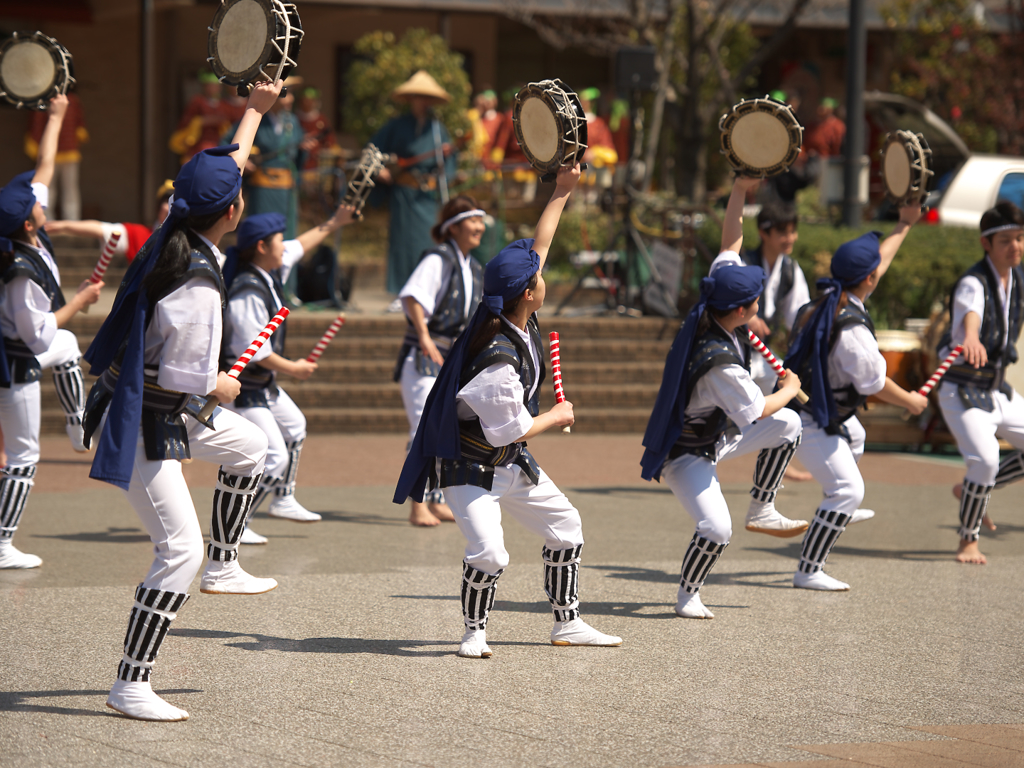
(15, 485)
(562, 581)
(771, 466)
(973, 503)
(287, 485)
(70, 385)
(434, 497)
(268, 485)
(820, 538)
(232, 501)
(1011, 469)
(478, 590)
(700, 558)
(151, 616)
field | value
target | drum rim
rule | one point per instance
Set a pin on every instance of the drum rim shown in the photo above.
(63, 62)
(273, 9)
(770, 106)
(559, 159)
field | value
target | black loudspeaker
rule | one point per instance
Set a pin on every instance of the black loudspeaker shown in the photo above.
(634, 70)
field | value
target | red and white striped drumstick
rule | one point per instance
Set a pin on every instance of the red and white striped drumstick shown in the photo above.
(773, 362)
(941, 370)
(259, 341)
(556, 372)
(105, 257)
(329, 334)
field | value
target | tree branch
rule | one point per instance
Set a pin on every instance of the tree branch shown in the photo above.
(774, 43)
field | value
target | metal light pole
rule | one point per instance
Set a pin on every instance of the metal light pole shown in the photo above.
(856, 67)
(147, 154)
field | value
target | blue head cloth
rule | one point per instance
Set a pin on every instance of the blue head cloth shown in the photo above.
(206, 184)
(852, 262)
(729, 288)
(16, 202)
(255, 228)
(506, 276)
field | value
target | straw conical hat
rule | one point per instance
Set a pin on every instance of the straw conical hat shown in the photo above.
(420, 84)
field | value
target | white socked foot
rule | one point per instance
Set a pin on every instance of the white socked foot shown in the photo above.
(762, 517)
(138, 700)
(578, 632)
(221, 578)
(690, 606)
(249, 536)
(76, 433)
(819, 580)
(474, 645)
(860, 515)
(287, 508)
(13, 558)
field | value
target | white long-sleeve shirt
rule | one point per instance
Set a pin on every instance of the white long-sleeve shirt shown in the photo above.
(731, 388)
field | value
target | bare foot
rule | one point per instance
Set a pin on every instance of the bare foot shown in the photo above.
(796, 475)
(958, 491)
(968, 552)
(420, 515)
(442, 512)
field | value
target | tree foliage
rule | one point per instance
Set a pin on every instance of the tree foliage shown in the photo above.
(949, 59)
(383, 63)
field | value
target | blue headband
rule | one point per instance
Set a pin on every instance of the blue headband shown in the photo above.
(854, 260)
(731, 286)
(508, 274)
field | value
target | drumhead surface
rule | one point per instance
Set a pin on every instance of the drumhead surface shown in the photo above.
(896, 169)
(242, 35)
(28, 70)
(539, 127)
(760, 140)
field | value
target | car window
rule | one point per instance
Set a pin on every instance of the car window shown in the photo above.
(1012, 189)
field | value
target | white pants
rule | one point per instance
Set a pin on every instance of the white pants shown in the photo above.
(694, 479)
(160, 496)
(833, 463)
(20, 404)
(64, 189)
(415, 388)
(977, 432)
(541, 509)
(283, 424)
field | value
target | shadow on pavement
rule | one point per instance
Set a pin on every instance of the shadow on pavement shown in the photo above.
(109, 536)
(18, 701)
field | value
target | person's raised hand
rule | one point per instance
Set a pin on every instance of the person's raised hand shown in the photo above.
(567, 177)
(264, 95)
(58, 105)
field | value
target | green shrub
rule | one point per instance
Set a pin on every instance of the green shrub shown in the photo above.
(383, 63)
(926, 266)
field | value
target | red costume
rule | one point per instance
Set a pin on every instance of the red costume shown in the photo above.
(215, 119)
(315, 126)
(826, 138)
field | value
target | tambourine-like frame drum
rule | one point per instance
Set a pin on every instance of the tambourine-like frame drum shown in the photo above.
(550, 125)
(906, 158)
(362, 183)
(251, 40)
(761, 137)
(33, 69)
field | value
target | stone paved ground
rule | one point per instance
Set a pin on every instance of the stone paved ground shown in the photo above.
(351, 661)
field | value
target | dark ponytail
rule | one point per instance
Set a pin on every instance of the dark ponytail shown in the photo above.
(491, 325)
(173, 261)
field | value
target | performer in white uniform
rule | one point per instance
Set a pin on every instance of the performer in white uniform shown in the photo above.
(32, 313)
(439, 298)
(157, 354)
(837, 328)
(977, 402)
(472, 441)
(706, 386)
(255, 271)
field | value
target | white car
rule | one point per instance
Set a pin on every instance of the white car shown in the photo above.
(976, 186)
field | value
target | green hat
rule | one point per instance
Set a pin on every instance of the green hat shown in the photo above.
(590, 94)
(489, 94)
(206, 77)
(778, 95)
(829, 102)
(311, 93)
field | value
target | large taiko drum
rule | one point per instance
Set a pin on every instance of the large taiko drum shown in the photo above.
(902, 352)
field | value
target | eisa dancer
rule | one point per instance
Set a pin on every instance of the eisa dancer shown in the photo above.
(255, 271)
(705, 386)
(439, 298)
(479, 415)
(158, 349)
(836, 354)
(32, 311)
(977, 402)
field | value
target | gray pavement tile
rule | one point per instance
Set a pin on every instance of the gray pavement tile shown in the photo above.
(1006, 737)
